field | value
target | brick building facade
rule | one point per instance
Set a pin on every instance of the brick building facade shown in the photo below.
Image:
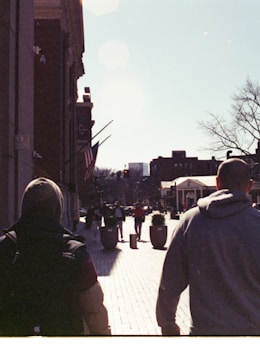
(84, 142)
(178, 165)
(40, 63)
(16, 105)
(60, 37)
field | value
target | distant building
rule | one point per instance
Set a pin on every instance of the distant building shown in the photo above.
(140, 168)
(84, 142)
(16, 105)
(184, 189)
(59, 37)
(41, 62)
(178, 165)
(183, 192)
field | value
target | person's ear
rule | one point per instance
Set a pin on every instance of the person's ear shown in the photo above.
(218, 184)
(250, 185)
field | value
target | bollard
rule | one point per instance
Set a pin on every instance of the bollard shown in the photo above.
(133, 240)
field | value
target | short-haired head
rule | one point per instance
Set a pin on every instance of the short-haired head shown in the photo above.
(234, 174)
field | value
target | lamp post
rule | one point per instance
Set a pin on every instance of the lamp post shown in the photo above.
(228, 154)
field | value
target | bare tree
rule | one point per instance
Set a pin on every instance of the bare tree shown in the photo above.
(242, 131)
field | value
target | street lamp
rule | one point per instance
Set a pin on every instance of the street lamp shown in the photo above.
(228, 154)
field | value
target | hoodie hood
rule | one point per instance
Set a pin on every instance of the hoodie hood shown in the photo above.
(223, 203)
(42, 198)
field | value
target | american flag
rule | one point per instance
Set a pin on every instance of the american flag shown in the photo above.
(90, 160)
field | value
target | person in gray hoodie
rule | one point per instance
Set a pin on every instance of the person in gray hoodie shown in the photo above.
(215, 250)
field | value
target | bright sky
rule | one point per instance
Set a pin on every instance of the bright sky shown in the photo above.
(157, 67)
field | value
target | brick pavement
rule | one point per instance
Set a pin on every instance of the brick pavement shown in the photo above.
(130, 280)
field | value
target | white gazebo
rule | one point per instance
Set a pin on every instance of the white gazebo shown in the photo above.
(187, 190)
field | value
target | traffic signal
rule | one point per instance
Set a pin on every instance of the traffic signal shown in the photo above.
(126, 173)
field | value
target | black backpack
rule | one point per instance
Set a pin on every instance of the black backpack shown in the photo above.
(39, 289)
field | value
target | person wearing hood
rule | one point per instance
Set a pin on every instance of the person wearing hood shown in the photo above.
(40, 239)
(215, 251)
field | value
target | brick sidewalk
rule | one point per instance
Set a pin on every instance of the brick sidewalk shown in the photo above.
(130, 280)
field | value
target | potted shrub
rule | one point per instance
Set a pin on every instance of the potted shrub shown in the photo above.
(158, 220)
(109, 233)
(158, 231)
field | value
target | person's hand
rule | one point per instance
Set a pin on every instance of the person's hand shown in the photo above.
(171, 331)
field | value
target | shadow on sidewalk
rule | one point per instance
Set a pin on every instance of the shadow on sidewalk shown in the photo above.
(103, 259)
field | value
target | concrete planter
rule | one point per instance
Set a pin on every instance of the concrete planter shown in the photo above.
(109, 236)
(158, 236)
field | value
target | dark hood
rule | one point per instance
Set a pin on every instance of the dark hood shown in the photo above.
(42, 198)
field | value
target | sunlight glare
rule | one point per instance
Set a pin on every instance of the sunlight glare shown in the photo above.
(124, 99)
(114, 54)
(101, 7)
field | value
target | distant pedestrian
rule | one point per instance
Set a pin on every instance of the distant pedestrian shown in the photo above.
(96, 223)
(106, 213)
(89, 217)
(49, 284)
(119, 214)
(216, 252)
(139, 217)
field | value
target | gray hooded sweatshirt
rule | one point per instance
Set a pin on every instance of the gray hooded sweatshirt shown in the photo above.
(215, 250)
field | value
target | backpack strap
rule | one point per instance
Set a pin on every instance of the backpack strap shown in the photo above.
(73, 247)
(8, 247)
(12, 236)
(72, 243)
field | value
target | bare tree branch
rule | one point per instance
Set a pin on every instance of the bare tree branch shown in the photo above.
(242, 131)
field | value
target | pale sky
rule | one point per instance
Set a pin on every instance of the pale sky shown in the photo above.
(157, 67)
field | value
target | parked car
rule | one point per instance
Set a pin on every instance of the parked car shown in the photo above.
(128, 210)
(148, 209)
(257, 206)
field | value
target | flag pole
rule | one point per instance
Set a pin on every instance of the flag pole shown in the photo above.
(102, 129)
(85, 144)
(104, 140)
(82, 160)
